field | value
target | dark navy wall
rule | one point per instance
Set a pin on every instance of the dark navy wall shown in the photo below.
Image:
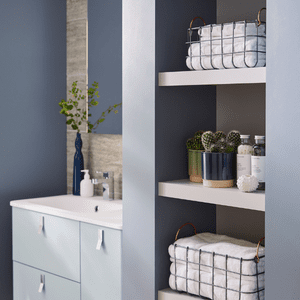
(179, 113)
(32, 132)
(105, 60)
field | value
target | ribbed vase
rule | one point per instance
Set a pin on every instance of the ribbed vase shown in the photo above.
(218, 169)
(78, 165)
(195, 165)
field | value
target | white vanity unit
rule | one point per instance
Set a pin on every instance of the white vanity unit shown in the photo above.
(67, 247)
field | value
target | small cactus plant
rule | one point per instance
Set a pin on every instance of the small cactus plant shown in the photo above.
(189, 143)
(208, 139)
(235, 138)
(199, 133)
(218, 142)
(197, 145)
(219, 135)
(195, 142)
(214, 142)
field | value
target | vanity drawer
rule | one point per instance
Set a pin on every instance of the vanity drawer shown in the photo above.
(27, 282)
(55, 248)
(100, 262)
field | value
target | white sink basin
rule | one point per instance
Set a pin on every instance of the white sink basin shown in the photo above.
(92, 210)
(79, 204)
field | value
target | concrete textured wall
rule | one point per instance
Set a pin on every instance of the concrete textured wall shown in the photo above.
(102, 152)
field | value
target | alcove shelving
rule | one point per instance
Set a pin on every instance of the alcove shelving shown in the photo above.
(184, 189)
(165, 104)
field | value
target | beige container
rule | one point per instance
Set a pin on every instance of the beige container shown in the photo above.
(195, 165)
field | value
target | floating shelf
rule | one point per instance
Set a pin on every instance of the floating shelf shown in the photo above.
(186, 190)
(169, 294)
(213, 77)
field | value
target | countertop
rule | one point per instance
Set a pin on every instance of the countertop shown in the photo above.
(108, 214)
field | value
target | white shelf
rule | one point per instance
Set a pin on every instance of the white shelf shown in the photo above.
(187, 190)
(213, 77)
(169, 294)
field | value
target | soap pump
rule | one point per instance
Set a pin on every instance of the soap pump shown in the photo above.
(86, 186)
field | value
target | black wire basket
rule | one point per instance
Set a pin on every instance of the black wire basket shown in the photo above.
(239, 44)
(216, 276)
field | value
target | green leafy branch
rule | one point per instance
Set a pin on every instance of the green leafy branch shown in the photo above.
(105, 113)
(77, 116)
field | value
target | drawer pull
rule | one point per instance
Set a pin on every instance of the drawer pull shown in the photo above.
(100, 238)
(42, 283)
(41, 225)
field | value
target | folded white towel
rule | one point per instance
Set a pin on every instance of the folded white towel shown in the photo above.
(208, 63)
(229, 30)
(248, 287)
(239, 46)
(220, 244)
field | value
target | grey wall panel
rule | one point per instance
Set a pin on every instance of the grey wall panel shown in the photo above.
(238, 10)
(241, 223)
(105, 60)
(33, 133)
(138, 83)
(240, 107)
(282, 178)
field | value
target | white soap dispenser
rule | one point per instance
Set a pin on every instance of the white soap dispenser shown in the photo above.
(86, 186)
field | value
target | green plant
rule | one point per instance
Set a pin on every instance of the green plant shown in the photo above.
(218, 142)
(219, 135)
(235, 138)
(195, 142)
(208, 139)
(77, 116)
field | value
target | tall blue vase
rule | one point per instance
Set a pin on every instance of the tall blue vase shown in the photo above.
(78, 165)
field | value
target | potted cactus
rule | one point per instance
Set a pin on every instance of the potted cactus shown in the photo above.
(219, 158)
(195, 149)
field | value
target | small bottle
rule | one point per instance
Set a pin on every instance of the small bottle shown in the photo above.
(243, 158)
(258, 161)
(86, 186)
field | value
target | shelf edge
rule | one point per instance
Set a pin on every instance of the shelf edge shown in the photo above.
(213, 77)
(224, 197)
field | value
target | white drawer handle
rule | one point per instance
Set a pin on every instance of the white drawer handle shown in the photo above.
(42, 283)
(100, 238)
(41, 225)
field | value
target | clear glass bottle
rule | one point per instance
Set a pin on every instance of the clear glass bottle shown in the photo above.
(243, 159)
(258, 160)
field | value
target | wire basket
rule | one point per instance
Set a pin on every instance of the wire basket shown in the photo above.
(217, 276)
(239, 44)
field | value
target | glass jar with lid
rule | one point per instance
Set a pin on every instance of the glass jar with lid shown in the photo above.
(258, 160)
(245, 150)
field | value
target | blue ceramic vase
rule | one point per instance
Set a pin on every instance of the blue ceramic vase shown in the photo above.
(78, 165)
(218, 167)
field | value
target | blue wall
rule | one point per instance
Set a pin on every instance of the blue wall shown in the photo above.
(283, 160)
(157, 122)
(32, 132)
(105, 60)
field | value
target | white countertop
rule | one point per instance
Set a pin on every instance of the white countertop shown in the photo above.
(77, 208)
